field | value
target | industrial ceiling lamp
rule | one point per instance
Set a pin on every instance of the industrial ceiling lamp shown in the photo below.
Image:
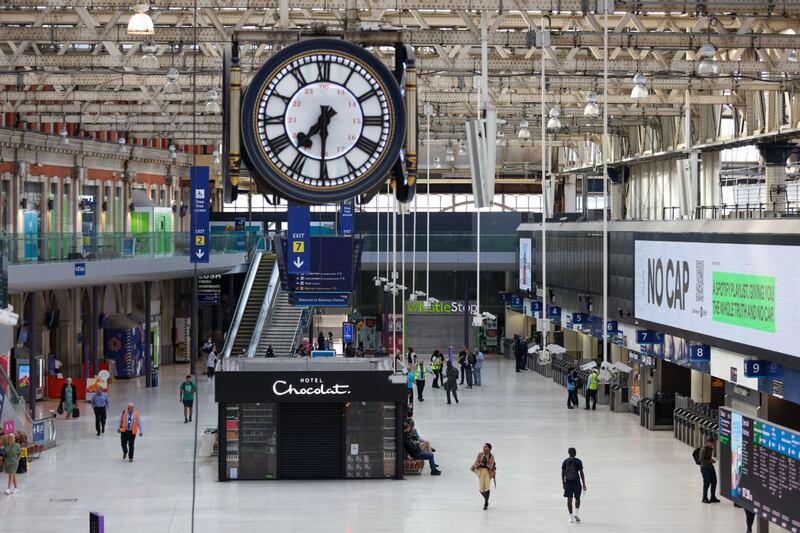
(172, 86)
(462, 148)
(524, 133)
(591, 110)
(215, 158)
(437, 163)
(141, 23)
(212, 106)
(639, 89)
(708, 66)
(149, 59)
(449, 157)
(500, 136)
(554, 123)
(121, 143)
(173, 152)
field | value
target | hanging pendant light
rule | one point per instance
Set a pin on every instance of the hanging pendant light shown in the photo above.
(437, 163)
(592, 110)
(141, 23)
(708, 66)
(500, 136)
(524, 133)
(149, 60)
(554, 123)
(172, 86)
(462, 149)
(639, 89)
(212, 106)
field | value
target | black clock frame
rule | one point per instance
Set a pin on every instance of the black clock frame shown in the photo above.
(261, 170)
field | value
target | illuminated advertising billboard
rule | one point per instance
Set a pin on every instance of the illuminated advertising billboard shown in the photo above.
(743, 293)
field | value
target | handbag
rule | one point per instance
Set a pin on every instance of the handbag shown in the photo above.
(76, 413)
(60, 409)
(22, 466)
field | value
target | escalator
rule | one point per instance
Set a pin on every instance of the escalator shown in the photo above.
(254, 298)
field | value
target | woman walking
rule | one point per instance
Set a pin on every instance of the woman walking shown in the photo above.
(68, 397)
(11, 464)
(485, 468)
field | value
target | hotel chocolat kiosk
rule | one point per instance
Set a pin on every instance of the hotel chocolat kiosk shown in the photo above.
(309, 419)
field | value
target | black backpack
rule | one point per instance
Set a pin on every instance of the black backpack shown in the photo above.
(571, 470)
(696, 455)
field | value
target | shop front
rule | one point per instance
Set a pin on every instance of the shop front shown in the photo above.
(309, 419)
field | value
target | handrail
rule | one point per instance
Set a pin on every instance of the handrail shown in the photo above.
(18, 406)
(301, 322)
(240, 306)
(267, 307)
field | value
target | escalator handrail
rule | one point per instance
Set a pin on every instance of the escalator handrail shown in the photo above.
(14, 401)
(241, 304)
(267, 308)
(301, 323)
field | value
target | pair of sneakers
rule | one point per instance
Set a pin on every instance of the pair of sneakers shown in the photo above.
(11, 491)
(574, 518)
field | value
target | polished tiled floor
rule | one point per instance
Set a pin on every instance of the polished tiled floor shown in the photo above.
(638, 481)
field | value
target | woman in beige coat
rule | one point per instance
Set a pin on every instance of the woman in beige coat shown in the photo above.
(486, 469)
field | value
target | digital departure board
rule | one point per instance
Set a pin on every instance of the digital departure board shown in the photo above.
(760, 467)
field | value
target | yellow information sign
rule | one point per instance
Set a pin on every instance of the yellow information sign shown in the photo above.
(298, 247)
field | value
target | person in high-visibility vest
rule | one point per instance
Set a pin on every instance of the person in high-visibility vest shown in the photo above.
(591, 390)
(419, 378)
(130, 424)
(437, 360)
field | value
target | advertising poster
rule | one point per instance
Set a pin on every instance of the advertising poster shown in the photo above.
(395, 330)
(97, 383)
(368, 334)
(744, 293)
(525, 264)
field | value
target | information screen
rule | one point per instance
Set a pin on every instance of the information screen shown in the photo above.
(760, 468)
(744, 293)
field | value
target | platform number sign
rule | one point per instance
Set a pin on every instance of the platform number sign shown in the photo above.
(699, 353)
(755, 368)
(612, 327)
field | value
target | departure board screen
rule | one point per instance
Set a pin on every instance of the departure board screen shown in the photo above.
(760, 468)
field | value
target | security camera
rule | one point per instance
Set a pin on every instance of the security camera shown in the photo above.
(622, 367)
(608, 366)
(488, 316)
(426, 304)
(533, 348)
(591, 365)
(544, 357)
(379, 281)
(556, 349)
(8, 317)
(421, 294)
(413, 297)
(477, 321)
(432, 300)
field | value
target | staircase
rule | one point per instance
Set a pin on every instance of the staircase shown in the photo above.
(280, 330)
(254, 300)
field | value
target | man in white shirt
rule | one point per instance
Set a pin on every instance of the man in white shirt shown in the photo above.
(211, 363)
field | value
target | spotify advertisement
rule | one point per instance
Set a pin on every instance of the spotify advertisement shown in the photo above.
(745, 293)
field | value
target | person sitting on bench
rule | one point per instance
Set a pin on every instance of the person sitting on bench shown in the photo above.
(415, 452)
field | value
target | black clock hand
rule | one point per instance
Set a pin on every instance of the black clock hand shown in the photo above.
(327, 113)
(304, 139)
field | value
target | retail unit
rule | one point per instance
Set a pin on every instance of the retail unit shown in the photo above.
(309, 419)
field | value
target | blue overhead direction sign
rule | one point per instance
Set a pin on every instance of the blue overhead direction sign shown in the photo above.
(346, 219)
(199, 246)
(646, 336)
(319, 299)
(298, 249)
(330, 269)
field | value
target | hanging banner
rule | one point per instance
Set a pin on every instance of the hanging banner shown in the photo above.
(525, 264)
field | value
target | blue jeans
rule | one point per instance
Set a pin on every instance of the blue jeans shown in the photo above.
(477, 376)
(426, 456)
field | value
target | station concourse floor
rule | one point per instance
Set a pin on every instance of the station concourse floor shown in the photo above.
(639, 481)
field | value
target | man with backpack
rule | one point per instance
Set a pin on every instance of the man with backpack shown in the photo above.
(704, 457)
(573, 480)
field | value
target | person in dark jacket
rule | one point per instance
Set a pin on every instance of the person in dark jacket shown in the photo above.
(451, 385)
(350, 350)
(708, 471)
(321, 341)
(463, 364)
(69, 397)
(519, 352)
(270, 351)
(415, 452)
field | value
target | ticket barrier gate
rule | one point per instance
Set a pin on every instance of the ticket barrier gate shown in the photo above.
(619, 398)
(694, 423)
(657, 414)
(560, 369)
(543, 369)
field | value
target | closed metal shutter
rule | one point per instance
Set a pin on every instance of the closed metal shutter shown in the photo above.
(311, 441)
(744, 408)
(426, 332)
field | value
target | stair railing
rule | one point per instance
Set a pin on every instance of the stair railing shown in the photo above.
(267, 308)
(241, 304)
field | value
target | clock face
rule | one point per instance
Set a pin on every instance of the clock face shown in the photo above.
(322, 121)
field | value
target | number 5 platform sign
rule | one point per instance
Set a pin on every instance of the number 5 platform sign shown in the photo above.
(198, 244)
(298, 257)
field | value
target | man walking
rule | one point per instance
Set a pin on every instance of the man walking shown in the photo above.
(100, 406)
(463, 364)
(573, 480)
(471, 360)
(420, 373)
(129, 426)
(451, 386)
(519, 352)
(708, 471)
(186, 396)
(591, 390)
(211, 363)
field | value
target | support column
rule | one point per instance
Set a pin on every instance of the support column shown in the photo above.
(148, 348)
(570, 194)
(32, 357)
(775, 155)
(95, 331)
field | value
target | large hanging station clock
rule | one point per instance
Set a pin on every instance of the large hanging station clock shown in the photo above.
(322, 121)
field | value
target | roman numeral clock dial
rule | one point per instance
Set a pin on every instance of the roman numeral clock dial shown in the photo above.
(322, 121)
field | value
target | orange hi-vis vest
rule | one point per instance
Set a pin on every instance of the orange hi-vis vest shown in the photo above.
(135, 426)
